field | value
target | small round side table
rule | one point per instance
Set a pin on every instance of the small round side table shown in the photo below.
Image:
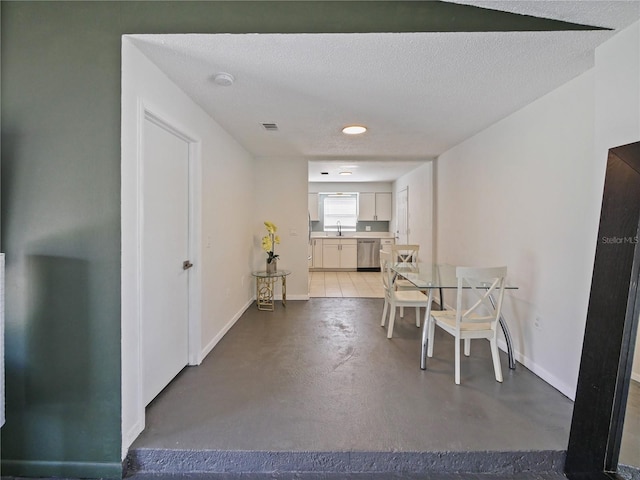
(265, 286)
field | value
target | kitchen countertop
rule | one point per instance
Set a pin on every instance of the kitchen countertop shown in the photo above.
(354, 235)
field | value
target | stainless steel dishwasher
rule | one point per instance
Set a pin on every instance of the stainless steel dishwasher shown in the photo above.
(368, 254)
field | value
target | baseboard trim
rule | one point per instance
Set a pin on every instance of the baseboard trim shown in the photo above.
(292, 297)
(129, 437)
(43, 469)
(209, 347)
(567, 390)
(162, 461)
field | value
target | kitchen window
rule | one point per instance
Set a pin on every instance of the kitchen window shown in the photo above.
(343, 208)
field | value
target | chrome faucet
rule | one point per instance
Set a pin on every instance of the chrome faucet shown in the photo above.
(339, 228)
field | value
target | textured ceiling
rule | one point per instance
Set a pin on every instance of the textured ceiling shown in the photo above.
(418, 93)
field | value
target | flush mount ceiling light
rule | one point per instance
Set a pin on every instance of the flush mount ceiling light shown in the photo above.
(223, 79)
(344, 173)
(354, 129)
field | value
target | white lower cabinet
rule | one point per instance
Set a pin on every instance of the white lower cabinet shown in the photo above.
(349, 254)
(339, 253)
(315, 251)
(386, 244)
(330, 254)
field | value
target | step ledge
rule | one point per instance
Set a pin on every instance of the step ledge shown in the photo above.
(238, 461)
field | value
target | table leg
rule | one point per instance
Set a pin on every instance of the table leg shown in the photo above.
(425, 332)
(507, 336)
(284, 290)
(264, 293)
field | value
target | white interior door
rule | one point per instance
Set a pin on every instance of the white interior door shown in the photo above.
(165, 238)
(402, 217)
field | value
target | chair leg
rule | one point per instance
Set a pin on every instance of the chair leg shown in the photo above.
(392, 319)
(431, 336)
(457, 353)
(384, 312)
(467, 347)
(401, 312)
(495, 354)
(418, 317)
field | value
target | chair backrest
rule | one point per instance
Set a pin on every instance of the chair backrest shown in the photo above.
(385, 269)
(405, 253)
(483, 285)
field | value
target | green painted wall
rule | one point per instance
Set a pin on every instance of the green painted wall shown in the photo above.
(60, 198)
(60, 231)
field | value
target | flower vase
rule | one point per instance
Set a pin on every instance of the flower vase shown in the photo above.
(273, 266)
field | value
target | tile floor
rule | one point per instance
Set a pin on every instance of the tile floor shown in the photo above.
(345, 284)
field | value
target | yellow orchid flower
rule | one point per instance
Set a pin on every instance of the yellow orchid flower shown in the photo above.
(269, 241)
(271, 228)
(266, 243)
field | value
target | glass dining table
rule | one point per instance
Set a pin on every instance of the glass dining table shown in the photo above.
(429, 276)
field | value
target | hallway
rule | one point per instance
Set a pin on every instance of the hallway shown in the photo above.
(320, 376)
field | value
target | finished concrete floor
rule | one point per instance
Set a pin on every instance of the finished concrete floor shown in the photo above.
(630, 447)
(319, 383)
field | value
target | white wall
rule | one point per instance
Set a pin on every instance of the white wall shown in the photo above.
(281, 194)
(617, 95)
(526, 193)
(518, 194)
(421, 208)
(225, 182)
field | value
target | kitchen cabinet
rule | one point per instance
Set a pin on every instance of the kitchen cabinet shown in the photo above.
(383, 206)
(386, 244)
(349, 254)
(339, 253)
(331, 254)
(366, 207)
(374, 206)
(314, 207)
(315, 251)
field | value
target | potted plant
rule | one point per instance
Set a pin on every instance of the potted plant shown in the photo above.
(268, 245)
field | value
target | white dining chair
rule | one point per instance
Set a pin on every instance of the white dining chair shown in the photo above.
(478, 321)
(404, 253)
(394, 298)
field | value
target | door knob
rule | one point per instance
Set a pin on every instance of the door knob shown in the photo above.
(186, 265)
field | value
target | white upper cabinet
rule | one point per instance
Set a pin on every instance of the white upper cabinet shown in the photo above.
(313, 207)
(366, 207)
(374, 206)
(383, 206)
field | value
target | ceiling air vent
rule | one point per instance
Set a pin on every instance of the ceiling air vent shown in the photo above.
(270, 127)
